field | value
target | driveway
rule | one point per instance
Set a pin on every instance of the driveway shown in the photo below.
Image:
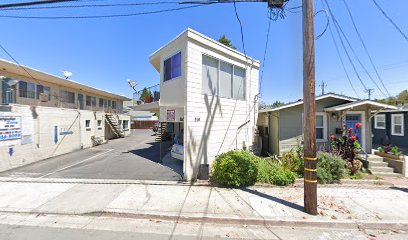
(135, 158)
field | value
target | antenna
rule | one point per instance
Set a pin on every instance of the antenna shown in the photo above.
(66, 74)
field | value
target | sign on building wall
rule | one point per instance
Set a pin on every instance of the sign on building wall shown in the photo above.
(10, 128)
(171, 115)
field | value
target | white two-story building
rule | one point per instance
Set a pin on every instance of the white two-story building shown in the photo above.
(208, 99)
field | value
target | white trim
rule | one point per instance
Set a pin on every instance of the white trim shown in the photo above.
(324, 139)
(317, 98)
(363, 128)
(359, 103)
(376, 121)
(393, 123)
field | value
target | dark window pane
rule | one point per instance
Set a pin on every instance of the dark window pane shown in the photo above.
(167, 69)
(176, 65)
(319, 133)
(23, 89)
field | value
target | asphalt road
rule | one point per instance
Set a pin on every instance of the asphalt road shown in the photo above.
(135, 158)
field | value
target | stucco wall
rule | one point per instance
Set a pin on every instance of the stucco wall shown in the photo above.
(49, 132)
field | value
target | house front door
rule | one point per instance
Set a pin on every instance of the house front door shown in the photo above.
(351, 120)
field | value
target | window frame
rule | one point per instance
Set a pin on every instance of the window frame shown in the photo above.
(87, 124)
(324, 139)
(218, 89)
(376, 121)
(64, 99)
(171, 67)
(393, 124)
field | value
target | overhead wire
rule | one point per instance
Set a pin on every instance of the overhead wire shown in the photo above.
(365, 48)
(404, 35)
(265, 51)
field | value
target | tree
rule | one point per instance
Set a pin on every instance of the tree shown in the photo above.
(277, 104)
(401, 98)
(224, 40)
(146, 95)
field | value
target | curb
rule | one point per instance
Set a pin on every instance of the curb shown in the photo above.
(383, 225)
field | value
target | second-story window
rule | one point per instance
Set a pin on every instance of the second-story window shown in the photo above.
(32, 90)
(172, 67)
(113, 104)
(67, 97)
(90, 101)
(100, 102)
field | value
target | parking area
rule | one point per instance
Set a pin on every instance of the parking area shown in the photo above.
(136, 157)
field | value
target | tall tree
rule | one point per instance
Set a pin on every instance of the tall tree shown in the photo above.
(224, 40)
(401, 98)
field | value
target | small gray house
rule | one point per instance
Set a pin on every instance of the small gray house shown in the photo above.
(281, 128)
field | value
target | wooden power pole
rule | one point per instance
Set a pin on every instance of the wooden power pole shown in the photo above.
(310, 160)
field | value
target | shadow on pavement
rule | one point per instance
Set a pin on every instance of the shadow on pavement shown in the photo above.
(275, 199)
(152, 153)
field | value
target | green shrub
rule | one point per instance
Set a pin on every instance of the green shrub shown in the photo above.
(235, 169)
(330, 168)
(395, 150)
(292, 161)
(270, 171)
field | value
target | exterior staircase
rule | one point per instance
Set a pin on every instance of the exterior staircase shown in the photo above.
(161, 135)
(378, 167)
(114, 126)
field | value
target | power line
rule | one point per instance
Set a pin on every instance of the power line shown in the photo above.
(9, 5)
(342, 63)
(390, 20)
(365, 48)
(344, 47)
(100, 16)
(240, 25)
(264, 56)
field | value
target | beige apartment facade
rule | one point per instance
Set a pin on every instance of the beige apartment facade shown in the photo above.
(42, 115)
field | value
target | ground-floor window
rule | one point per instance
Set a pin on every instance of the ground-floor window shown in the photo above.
(321, 128)
(88, 124)
(125, 124)
(397, 124)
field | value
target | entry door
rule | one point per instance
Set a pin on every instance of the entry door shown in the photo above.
(81, 101)
(351, 120)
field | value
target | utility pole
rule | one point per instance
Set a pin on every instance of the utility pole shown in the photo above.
(322, 86)
(370, 91)
(309, 109)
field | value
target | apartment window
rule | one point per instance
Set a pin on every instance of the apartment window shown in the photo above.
(91, 101)
(88, 124)
(222, 79)
(113, 104)
(100, 102)
(397, 124)
(321, 128)
(42, 89)
(125, 124)
(99, 124)
(172, 67)
(22, 86)
(67, 97)
(109, 103)
(31, 88)
(379, 122)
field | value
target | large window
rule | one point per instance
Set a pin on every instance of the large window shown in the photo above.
(321, 127)
(397, 124)
(67, 97)
(90, 101)
(222, 79)
(32, 90)
(172, 67)
(379, 122)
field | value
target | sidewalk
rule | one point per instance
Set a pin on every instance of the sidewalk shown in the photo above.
(346, 207)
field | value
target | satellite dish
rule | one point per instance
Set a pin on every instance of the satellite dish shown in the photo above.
(132, 83)
(66, 74)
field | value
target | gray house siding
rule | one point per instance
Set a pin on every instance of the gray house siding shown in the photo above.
(379, 135)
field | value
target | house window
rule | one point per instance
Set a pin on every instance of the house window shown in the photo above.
(172, 67)
(239, 83)
(222, 79)
(88, 124)
(210, 76)
(226, 71)
(321, 128)
(67, 97)
(379, 122)
(397, 124)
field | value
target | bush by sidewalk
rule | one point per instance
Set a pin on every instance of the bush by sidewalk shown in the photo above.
(271, 172)
(235, 169)
(330, 168)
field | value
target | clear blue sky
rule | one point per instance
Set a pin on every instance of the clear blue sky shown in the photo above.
(106, 52)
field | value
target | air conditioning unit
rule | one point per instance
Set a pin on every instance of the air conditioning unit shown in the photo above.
(275, 3)
(44, 97)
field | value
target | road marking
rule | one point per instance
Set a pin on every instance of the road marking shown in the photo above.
(62, 169)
